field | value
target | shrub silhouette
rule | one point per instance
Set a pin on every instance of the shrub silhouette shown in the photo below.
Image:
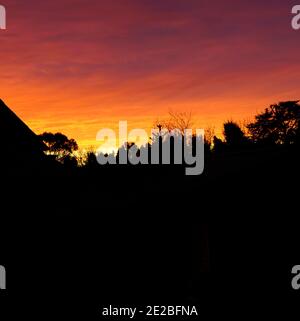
(233, 134)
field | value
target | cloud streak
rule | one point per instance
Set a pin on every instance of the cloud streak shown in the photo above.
(76, 62)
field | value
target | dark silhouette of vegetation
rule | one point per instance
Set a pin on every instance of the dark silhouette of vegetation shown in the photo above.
(176, 120)
(234, 136)
(90, 159)
(218, 145)
(278, 124)
(60, 147)
(137, 230)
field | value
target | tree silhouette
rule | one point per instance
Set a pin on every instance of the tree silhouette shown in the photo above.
(278, 124)
(209, 137)
(91, 159)
(176, 121)
(233, 134)
(59, 146)
(218, 145)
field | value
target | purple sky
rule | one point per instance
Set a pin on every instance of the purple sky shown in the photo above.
(76, 66)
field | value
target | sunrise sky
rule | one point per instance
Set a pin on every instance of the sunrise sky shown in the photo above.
(77, 66)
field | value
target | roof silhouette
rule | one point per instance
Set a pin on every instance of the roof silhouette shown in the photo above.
(15, 135)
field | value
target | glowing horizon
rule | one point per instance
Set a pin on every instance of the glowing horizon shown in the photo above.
(77, 67)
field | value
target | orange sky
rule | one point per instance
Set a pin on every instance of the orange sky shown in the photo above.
(77, 66)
